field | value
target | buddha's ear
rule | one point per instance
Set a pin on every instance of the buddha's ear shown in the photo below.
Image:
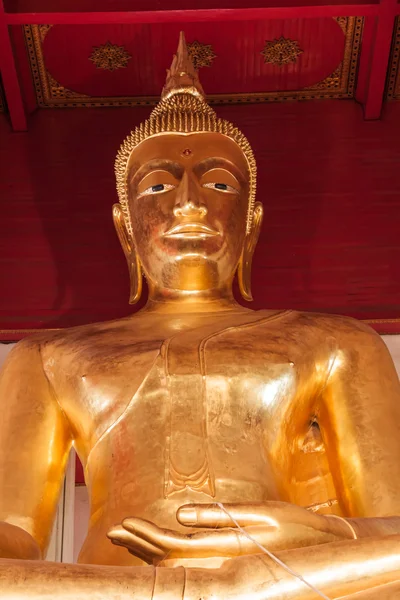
(250, 243)
(122, 231)
(134, 266)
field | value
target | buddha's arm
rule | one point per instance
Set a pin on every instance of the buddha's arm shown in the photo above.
(338, 570)
(34, 446)
(359, 418)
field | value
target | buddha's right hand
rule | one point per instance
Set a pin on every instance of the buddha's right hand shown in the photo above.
(17, 543)
(273, 525)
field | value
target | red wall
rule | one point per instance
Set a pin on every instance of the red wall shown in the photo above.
(330, 183)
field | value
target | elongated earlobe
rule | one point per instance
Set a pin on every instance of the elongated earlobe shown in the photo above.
(250, 243)
(136, 279)
(132, 259)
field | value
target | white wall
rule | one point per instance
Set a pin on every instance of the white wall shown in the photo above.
(4, 350)
(393, 343)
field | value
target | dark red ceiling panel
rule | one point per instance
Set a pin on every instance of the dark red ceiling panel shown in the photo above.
(238, 66)
(249, 61)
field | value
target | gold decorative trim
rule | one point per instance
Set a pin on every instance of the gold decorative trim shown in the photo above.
(110, 57)
(18, 331)
(384, 322)
(393, 81)
(381, 320)
(332, 82)
(43, 330)
(202, 55)
(342, 22)
(340, 84)
(2, 101)
(48, 90)
(59, 91)
(281, 51)
(344, 76)
(328, 504)
(43, 31)
(8, 336)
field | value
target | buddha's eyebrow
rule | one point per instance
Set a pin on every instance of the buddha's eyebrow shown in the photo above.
(218, 162)
(157, 165)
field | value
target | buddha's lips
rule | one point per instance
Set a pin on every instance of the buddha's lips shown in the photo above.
(191, 230)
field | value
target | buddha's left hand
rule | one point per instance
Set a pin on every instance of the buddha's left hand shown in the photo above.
(274, 525)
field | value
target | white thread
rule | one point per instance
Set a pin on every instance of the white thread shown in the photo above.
(349, 525)
(271, 555)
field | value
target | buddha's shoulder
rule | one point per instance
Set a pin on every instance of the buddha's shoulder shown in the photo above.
(78, 341)
(92, 334)
(314, 323)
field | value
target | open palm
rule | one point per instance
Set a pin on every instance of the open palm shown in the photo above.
(273, 525)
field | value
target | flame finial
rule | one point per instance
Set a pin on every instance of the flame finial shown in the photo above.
(182, 76)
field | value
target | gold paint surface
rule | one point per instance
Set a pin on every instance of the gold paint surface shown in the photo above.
(211, 435)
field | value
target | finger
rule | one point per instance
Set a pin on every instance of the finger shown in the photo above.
(137, 553)
(119, 537)
(231, 543)
(177, 545)
(211, 515)
(135, 545)
(141, 549)
(204, 544)
(163, 538)
(151, 554)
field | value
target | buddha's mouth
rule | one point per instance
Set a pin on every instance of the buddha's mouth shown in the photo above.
(190, 231)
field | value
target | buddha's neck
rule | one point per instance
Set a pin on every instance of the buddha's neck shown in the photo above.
(163, 300)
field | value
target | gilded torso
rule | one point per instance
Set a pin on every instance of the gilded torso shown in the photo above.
(217, 407)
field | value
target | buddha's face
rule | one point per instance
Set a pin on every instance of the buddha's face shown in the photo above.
(188, 198)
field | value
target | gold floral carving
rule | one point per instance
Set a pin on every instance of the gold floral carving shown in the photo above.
(202, 55)
(59, 91)
(281, 51)
(43, 31)
(393, 83)
(342, 22)
(332, 82)
(339, 84)
(110, 57)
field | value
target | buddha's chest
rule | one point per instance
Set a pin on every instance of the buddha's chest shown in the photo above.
(222, 380)
(191, 405)
(192, 428)
(222, 387)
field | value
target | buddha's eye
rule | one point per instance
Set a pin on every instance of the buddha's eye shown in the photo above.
(221, 187)
(159, 188)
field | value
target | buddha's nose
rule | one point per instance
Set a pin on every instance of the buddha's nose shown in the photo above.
(190, 209)
(189, 202)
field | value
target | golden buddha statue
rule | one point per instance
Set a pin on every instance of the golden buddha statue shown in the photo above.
(228, 453)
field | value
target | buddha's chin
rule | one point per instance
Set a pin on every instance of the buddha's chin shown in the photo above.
(205, 563)
(191, 273)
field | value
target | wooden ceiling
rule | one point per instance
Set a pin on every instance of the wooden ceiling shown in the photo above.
(254, 61)
(79, 53)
